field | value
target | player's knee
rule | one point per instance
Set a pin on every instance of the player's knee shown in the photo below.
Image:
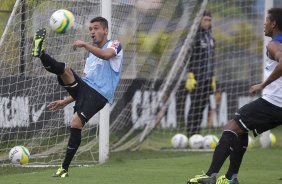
(77, 125)
(67, 77)
(243, 140)
(76, 122)
(233, 126)
(57, 68)
(68, 70)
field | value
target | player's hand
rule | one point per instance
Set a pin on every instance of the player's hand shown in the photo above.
(190, 82)
(78, 44)
(255, 89)
(56, 105)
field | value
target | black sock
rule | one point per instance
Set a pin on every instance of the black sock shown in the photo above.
(73, 144)
(236, 155)
(51, 65)
(222, 151)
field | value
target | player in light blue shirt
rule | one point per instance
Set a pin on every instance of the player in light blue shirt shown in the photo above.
(91, 92)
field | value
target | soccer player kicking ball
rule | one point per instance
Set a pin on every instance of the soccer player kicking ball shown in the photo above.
(258, 116)
(91, 92)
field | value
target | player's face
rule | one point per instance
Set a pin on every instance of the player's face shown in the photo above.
(268, 27)
(98, 33)
(206, 23)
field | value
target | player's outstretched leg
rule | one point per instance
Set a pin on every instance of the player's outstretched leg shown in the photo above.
(204, 179)
(61, 172)
(224, 180)
(39, 42)
(49, 63)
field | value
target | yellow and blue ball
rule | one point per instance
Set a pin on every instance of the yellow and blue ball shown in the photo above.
(61, 20)
(19, 155)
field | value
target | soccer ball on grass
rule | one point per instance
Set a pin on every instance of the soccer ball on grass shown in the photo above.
(196, 141)
(267, 139)
(210, 142)
(19, 155)
(179, 141)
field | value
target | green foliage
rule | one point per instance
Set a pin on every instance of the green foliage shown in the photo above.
(6, 7)
(239, 36)
(154, 42)
(226, 8)
(150, 47)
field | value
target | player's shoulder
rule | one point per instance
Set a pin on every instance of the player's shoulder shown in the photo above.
(115, 44)
(273, 45)
(273, 48)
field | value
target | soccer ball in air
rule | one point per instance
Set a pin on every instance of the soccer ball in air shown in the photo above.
(210, 142)
(179, 141)
(267, 139)
(61, 21)
(196, 141)
(19, 155)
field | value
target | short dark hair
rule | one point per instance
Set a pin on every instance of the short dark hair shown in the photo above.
(275, 14)
(102, 21)
(207, 13)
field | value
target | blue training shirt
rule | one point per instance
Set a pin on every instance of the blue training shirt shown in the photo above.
(103, 75)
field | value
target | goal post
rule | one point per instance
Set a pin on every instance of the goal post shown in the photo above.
(104, 123)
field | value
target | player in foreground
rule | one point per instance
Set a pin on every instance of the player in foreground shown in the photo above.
(91, 92)
(258, 116)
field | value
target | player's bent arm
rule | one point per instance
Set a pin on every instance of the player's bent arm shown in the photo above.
(275, 51)
(68, 100)
(101, 53)
(59, 104)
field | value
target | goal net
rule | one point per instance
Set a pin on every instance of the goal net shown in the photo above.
(161, 106)
(151, 102)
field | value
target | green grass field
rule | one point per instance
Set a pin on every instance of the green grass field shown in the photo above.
(260, 166)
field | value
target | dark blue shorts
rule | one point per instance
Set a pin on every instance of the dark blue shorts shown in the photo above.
(87, 100)
(258, 116)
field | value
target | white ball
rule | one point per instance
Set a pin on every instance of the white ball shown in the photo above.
(179, 141)
(196, 141)
(210, 142)
(61, 21)
(267, 140)
(19, 155)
